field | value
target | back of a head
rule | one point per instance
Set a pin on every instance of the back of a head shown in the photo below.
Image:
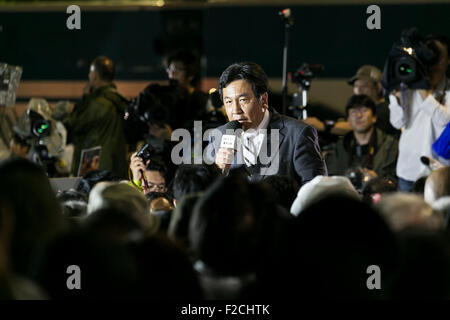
(405, 210)
(122, 197)
(191, 178)
(179, 223)
(335, 240)
(74, 203)
(25, 190)
(248, 71)
(284, 188)
(107, 270)
(437, 185)
(319, 187)
(225, 227)
(113, 223)
(424, 266)
(105, 68)
(165, 271)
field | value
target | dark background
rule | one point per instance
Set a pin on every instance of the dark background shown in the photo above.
(334, 35)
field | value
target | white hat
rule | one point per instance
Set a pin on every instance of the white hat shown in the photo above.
(319, 187)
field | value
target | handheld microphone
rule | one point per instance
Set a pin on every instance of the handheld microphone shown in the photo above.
(431, 163)
(229, 141)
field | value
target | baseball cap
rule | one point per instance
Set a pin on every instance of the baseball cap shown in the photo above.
(367, 72)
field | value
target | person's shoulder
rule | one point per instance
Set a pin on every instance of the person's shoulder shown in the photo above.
(112, 94)
(385, 137)
(294, 124)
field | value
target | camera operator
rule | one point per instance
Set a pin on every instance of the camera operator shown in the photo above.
(422, 116)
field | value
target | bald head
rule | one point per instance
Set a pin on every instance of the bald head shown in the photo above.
(104, 68)
(437, 184)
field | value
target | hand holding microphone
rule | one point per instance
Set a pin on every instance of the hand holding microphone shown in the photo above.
(228, 146)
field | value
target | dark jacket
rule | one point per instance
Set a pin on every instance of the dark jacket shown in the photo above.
(97, 120)
(299, 154)
(385, 159)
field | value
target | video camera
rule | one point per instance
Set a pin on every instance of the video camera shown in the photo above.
(37, 129)
(306, 73)
(408, 62)
(152, 106)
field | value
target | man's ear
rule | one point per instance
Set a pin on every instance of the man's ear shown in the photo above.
(264, 99)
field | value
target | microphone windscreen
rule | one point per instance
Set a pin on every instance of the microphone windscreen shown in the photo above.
(233, 125)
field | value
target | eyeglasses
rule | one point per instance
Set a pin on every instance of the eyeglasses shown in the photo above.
(157, 187)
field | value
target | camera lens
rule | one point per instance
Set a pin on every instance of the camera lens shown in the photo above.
(404, 70)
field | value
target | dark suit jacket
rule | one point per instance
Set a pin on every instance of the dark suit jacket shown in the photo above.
(298, 155)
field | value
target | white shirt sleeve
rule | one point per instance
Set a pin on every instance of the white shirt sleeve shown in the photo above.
(396, 115)
(440, 114)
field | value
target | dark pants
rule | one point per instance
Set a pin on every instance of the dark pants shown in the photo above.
(404, 185)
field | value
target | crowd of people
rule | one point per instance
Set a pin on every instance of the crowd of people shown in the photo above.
(270, 216)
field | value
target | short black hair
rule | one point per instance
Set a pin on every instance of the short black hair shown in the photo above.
(105, 68)
(360, 100)
(157, 164)
(190, 63)
(248, 71)
(191, 178)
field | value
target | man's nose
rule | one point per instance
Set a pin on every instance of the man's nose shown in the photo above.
(236, 107)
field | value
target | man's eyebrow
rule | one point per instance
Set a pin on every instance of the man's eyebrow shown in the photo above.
(239, 96)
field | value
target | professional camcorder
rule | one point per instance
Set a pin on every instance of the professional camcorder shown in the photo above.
(408, 62)
(153, 106)
(37, 128)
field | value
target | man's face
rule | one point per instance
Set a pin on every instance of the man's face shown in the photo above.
(156, 181)
(367, 87)
(177, 71)
(361, 119)
(242, 105)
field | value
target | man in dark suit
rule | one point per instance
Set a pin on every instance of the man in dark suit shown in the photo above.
(269, 143)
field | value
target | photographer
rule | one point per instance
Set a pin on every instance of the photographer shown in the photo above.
(422, 115)
(148, 175)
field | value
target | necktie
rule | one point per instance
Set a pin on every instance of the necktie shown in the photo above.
(249, 153)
